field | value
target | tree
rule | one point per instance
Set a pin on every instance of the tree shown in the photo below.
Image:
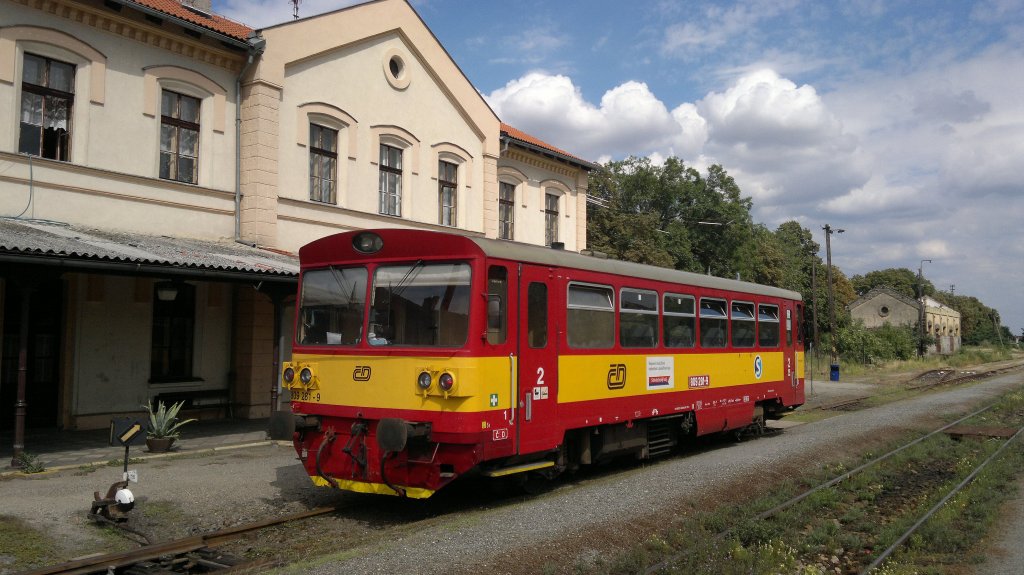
(901, 280)
(670, 215)
(978, 322)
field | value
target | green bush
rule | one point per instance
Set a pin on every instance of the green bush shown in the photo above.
(886, 343)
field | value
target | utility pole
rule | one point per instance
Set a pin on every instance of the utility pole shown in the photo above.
(920, 312)
(834, 357)
(814, 303)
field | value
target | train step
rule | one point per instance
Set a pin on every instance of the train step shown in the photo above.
(521, 468)
(659, 439)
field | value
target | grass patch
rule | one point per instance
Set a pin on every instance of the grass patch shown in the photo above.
(119, 462)
(22, 547)
(844, 527)
(29, 463)
(818, 363)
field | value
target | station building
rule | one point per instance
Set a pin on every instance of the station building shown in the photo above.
(161, 165)
(882, 305)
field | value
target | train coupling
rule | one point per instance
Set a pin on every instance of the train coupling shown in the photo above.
(284, 425)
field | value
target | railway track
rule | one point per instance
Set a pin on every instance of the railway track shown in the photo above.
(922, 382)
(194, 554)
(955, 429)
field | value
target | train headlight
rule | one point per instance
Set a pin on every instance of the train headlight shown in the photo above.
(446, 382)
(289, 375)
(305, 376)
(367, 243)
(423, 380)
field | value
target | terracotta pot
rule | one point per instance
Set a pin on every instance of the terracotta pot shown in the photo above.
(159, 444)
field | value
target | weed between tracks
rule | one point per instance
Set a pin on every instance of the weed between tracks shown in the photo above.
(843, 528)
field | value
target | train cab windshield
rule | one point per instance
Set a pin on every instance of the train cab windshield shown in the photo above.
(417, 304)
(332, 304)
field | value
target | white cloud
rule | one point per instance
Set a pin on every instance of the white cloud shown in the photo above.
(933, 249)
(762, 109)
(876, 198)
(628, 120)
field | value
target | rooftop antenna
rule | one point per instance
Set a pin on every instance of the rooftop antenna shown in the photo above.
(295, 8)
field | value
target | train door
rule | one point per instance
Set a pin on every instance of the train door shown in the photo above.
(538, 361)
(798, 353)
(794, 343)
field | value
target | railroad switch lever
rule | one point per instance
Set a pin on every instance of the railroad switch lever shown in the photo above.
(119, 499)
(117, 503)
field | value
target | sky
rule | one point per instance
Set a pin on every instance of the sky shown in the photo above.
(900, 122)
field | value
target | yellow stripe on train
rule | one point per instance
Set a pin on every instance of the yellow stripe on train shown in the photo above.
(592, 377)
(487, 383)
(481, 383)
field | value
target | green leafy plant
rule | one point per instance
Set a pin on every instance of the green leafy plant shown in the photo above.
(29, 463)
(163, 422)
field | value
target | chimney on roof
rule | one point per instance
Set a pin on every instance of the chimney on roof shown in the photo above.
(201, 5)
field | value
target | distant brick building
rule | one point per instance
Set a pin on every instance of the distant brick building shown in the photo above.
(882, 306)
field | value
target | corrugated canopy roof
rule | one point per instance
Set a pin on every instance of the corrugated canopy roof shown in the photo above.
(52, 243)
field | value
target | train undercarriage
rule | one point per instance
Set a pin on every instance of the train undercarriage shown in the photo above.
(409, 459)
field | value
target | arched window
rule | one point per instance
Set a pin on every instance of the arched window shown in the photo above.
(397, 158)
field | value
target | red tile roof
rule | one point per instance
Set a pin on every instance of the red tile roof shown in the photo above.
(213, 21)
(522, 136)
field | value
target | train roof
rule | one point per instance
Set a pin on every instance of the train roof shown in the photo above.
(411, 244)
(562, 258)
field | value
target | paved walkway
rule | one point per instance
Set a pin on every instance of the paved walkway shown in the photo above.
(57, 450)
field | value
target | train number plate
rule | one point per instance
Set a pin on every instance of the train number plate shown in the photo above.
(305, 395)
(499, 434)
(699, 381)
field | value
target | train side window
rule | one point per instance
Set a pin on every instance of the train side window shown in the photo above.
(768, 325)
(789, 327)
(497, 308)
(591, 316)
(537, 314)
(713, 322)
(741, 317)
(638, 318)
(679, 321)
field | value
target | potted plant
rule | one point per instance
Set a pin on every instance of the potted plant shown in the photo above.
(163, 426)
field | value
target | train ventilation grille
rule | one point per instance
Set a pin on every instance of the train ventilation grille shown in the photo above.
(659, 438)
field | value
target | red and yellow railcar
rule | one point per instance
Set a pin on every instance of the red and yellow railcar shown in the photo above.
(422, 356)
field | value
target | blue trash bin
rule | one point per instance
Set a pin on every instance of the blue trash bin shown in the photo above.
(834, 372)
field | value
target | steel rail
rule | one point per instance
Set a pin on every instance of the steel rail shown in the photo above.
(798, 498)
(967, 480)
(100, 563)
(863, 466)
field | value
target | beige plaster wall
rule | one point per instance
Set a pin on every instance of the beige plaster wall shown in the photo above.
(534, 176)
(112, 179)
(333, 70)
(870, 312)
(421, 112)
(112, 344)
